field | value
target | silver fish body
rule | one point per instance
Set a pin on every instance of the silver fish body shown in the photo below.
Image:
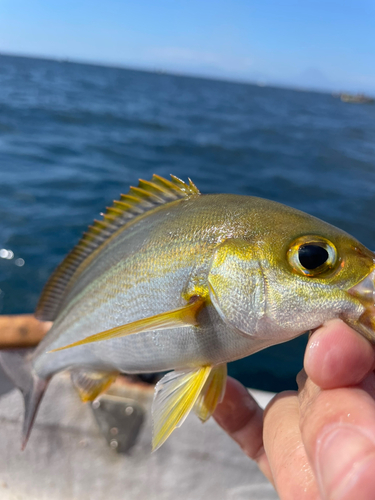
(110, 293)
(173, 280)
(144, 272)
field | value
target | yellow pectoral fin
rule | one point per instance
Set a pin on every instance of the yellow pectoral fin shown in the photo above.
(91, 383)
(183, 316)
(212, 393)
(175, 395)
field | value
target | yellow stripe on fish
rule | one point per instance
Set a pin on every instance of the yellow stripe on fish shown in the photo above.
(183, 316)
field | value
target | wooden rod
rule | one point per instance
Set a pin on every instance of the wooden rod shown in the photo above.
(22, 330)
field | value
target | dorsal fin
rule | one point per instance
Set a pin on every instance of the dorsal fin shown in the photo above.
(147, 196)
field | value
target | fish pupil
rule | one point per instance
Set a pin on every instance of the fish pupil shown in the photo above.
(312, 256)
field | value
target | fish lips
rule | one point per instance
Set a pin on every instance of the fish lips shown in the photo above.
(364, 291)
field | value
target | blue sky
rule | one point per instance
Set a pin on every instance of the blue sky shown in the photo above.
(310, 43)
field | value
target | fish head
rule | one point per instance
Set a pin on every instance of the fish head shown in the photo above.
(293, 277)
(332, 276)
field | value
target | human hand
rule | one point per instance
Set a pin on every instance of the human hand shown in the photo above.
(318, 443)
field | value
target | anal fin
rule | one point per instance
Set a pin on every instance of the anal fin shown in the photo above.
(91, 383)
(175, 395)
(212, 392)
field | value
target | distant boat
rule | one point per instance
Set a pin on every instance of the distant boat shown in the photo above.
(357, 98)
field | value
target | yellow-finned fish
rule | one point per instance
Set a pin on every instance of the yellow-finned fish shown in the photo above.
(174, 280)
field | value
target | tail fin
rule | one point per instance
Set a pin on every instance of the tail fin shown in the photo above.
(17, 366)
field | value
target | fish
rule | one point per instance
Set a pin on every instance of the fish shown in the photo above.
(170, 280)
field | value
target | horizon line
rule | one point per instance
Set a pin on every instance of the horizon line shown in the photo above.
(160, 71)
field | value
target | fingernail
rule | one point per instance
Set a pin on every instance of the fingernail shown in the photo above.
(338, 452)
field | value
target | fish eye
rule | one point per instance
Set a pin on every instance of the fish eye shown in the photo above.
(312, 255)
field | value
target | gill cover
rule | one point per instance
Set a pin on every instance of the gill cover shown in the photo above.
(236, 273)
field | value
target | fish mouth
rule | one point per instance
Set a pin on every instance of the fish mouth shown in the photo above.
(364, 291)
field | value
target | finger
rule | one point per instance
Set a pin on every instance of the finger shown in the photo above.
(242, 418)
(336, 356)
(288, 461)
(338, 431)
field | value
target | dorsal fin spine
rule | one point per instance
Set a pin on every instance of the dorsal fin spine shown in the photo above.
(131, 201)
(122, 204)
(93, 229)
(150, 195)
(134, 200)
(153, 188)
(101, 223)
(164, 182)
(110, 218)
(147, 196)
(113, 210)
(193, 187)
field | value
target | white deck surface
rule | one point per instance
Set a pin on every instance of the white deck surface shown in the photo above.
(67, 458)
